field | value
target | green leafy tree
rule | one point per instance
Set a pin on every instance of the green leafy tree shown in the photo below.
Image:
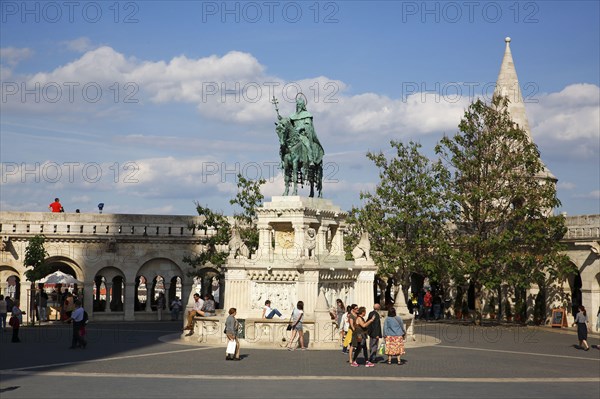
(217, 232)
(217, 228)
(248, 198)
(504, 232)
(406, 214)
(35, 255)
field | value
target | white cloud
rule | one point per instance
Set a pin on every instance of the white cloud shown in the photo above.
(235, 88)
(11, 56)
(569, 115)
(593, 195)
(80, 45)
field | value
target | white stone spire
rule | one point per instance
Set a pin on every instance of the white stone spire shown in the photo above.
(507, 85)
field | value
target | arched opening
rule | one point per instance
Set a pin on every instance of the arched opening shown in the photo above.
(118, 294)
(175, 289)
(109, 290)
(13, 287)
(157, 293)
(154, 281)
(141, 293)
(211, 282)
(576, 295)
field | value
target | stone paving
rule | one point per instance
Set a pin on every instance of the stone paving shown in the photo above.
(448, 360)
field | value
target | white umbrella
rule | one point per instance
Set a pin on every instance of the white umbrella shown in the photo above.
(59, 277)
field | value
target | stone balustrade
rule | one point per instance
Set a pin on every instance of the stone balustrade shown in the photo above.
(583, 227)
(264, 333)
(83, 225)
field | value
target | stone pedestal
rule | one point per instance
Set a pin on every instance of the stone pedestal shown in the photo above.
(300, 258)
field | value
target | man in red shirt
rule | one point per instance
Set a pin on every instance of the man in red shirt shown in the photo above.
(55, 206)
(427, 303)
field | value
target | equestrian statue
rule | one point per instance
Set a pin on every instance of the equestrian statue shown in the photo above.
(300, 150)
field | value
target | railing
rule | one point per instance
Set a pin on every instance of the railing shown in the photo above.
(108, 225)
(583, 227)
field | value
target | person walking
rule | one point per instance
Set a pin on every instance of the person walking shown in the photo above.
(175, 308)
(352, 315)
(297, 315)
(43, 305)
(77, 318)
(15, 321)
(374, 332)
(359, 337)
(582, 327)
(394, 334)
(338, 315)
(231, 331)
(3, 312)
(427, 303)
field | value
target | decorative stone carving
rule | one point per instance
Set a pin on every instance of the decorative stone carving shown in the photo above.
(362, 250)
(237, 247)
(279, 275)
(281, 295)
(284, 239)
(5, 244)
(310, 242)
(111, 246)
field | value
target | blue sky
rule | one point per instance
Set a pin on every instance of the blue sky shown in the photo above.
(121, 103)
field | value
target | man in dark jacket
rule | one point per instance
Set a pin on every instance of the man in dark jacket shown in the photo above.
(374, 332)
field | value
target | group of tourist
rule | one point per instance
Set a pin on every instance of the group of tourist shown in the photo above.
(356, 328)
(358, 332)
(16, 318)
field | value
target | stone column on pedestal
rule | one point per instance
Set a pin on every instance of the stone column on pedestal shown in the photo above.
(263, 253)
(299, 230)
(337, 243)
(326, 331)
(308, 285)
(363, 288)
(322, 240)
(129, 306)
(88, 298)
(237, 292)
(108, 286)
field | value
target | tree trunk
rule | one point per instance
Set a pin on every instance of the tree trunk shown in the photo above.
(478, 303)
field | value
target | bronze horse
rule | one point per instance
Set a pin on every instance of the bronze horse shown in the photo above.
(295, 159)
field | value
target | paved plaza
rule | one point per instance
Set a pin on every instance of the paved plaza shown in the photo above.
(147, 360)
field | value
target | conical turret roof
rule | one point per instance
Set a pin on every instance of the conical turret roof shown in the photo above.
(507, 85)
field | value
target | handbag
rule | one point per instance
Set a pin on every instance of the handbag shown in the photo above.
(289, 326)
(382, 348)
(231, 345)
